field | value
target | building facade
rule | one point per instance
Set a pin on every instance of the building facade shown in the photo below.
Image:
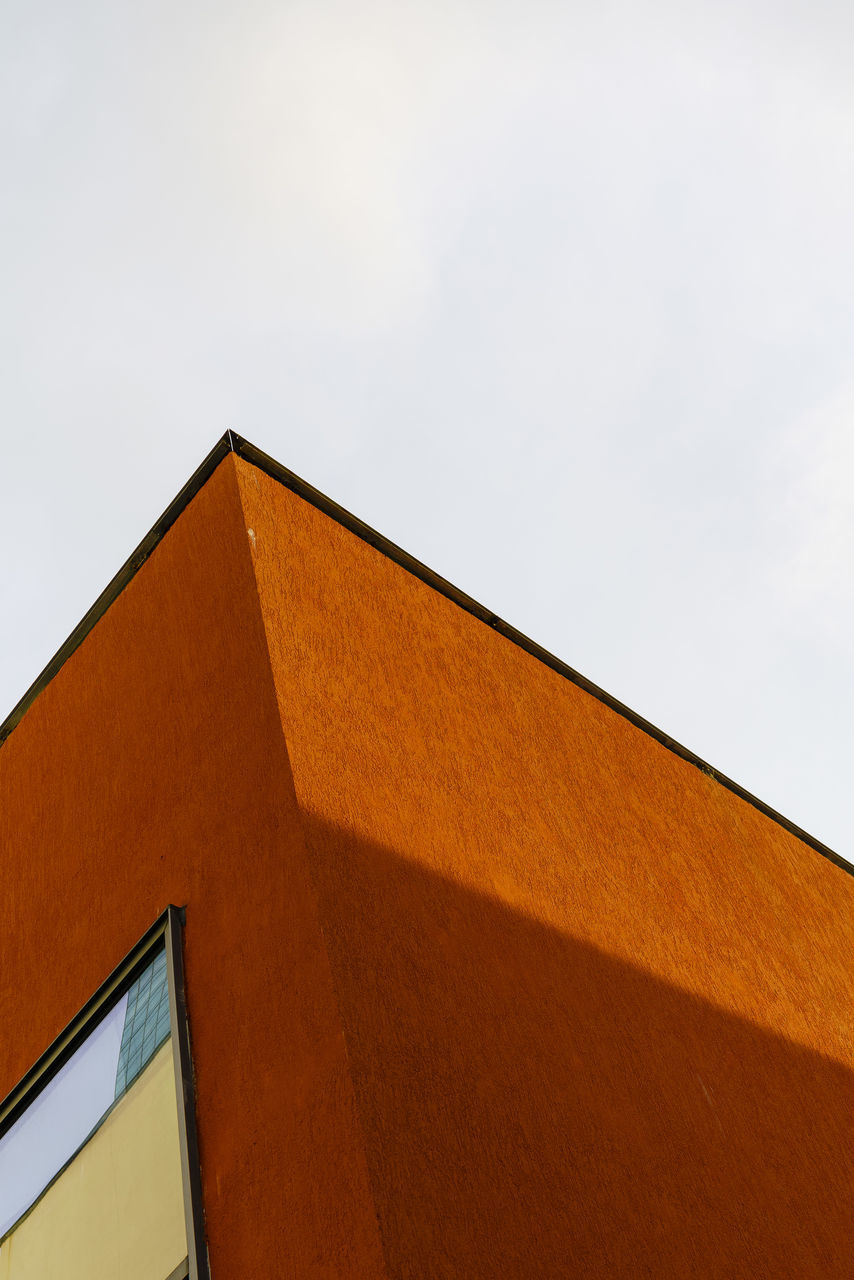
(401, 949)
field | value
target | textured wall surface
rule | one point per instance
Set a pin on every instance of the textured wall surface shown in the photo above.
(152, 770)
(596, 1006)
(482, 980)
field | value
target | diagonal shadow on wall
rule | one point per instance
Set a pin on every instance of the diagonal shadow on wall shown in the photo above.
(533, 1107)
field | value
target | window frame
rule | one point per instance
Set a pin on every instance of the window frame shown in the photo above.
(168, 929)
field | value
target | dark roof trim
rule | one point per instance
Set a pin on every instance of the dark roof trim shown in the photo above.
(233, 443)
(117, 585)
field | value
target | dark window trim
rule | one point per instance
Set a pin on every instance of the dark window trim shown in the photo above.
(168, 929)
(199, 1267)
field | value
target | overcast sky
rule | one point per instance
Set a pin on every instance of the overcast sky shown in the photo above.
(558, 296)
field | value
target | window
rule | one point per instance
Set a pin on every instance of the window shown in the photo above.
(98, 1163)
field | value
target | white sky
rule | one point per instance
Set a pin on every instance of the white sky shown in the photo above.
(558, 296)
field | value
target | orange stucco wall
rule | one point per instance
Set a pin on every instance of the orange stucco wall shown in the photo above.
(596, 1007)
(483, 982)
(152, 770)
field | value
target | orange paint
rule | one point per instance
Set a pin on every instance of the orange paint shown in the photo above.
(152, 770)
(483, 981)
(595, 1004)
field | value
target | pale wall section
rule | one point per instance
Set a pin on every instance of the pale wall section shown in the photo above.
(118, 1208)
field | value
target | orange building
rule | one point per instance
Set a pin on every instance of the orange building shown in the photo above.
(401, 950)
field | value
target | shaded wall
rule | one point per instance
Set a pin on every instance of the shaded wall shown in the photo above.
(596, 1006)
(476, 969)
(152, 770)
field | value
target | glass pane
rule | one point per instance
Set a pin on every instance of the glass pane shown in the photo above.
(146, 1022)
(65, 1114)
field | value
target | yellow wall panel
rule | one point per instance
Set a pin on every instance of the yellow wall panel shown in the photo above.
(118, 1209)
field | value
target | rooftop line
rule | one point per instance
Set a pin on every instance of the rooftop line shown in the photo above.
(231, 442)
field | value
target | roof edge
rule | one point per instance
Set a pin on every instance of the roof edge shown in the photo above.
(231, 442)
(117, 584)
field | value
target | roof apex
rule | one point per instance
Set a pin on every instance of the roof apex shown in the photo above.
(232, 442)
